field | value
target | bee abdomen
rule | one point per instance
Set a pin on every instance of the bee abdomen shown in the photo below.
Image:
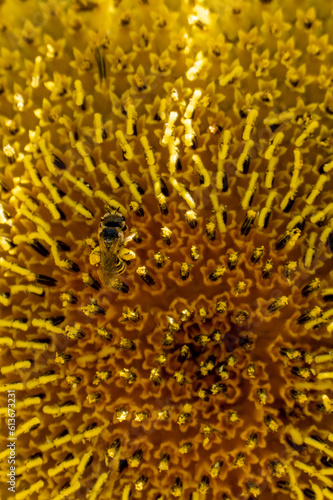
(120, 266)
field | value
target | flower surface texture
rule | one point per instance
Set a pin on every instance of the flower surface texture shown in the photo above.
(166, 238)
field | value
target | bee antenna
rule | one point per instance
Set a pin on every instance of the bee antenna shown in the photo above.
(111, 210)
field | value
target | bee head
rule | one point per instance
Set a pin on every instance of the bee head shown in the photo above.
(114, 220)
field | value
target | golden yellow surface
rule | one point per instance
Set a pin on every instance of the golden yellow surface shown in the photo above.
(208, 126)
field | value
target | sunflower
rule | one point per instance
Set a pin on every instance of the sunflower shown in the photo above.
(166, 242)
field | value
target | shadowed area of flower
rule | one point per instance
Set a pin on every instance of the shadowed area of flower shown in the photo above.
(165, 249)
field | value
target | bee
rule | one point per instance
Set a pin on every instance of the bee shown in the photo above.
(113, 254)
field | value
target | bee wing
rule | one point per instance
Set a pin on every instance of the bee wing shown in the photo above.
(109, 267)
